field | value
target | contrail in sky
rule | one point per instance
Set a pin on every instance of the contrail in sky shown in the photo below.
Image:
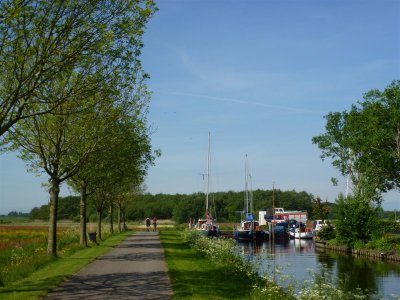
(238, 101)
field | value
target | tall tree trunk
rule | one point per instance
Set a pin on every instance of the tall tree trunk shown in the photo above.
(83, 237)
(99, 217)
(52, 237)
(124, 218)
(111, 213)
(119, 218)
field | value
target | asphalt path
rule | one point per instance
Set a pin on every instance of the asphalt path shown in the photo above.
(135, 269)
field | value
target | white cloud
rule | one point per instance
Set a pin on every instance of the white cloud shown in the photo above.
(246, 102)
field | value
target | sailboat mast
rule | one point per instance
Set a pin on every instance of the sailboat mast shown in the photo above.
(246, 186)
(208, 173)
(251, 194)
(273, 201)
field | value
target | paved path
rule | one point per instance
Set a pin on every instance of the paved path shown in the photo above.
(135, 269)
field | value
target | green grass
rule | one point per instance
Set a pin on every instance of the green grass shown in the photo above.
(196, 277)
(39, 283)
(13, 219)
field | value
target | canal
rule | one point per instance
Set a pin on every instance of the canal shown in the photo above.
(296, 261)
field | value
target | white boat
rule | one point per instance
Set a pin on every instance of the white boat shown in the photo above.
(301, 233)
(319, 224)
(208, 225)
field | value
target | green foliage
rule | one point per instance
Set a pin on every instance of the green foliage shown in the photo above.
(390, 226)
(40, 213)
(327, 232)
(79, 61)
(358, 245)
(224, 205)
(320, 211)
(17, 214)
(180, 207)
(68, 209)
(386, 243)
(44, 42)
(364, 142)
(356, 220)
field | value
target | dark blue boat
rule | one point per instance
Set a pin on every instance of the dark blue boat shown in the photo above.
(249, 230)
(280, 231)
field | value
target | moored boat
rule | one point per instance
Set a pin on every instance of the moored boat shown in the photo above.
(279, 231)
(301, 233)
(208, 225)
(249, 229)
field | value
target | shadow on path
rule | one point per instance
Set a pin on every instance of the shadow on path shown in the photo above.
(135, 269)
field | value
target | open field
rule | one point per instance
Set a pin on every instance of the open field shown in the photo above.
(23, 248)
(37, 283)
(20, 235)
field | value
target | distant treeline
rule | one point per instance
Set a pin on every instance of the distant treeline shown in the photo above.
(225, 206)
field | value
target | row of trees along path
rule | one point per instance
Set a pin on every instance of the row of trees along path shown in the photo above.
(73, 96)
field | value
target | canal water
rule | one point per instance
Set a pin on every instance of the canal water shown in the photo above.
(296, 261)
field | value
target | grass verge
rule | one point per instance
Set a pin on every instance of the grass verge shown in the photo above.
(196, 277)
(39, 283)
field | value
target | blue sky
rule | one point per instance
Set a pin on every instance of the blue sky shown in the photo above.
(258, 75)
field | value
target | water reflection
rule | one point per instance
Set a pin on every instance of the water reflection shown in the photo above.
(300, 259)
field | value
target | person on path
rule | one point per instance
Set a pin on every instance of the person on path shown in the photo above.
(154, 224)
(147, 224)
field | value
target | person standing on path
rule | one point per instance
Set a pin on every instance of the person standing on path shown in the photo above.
(147, 224)
(154, 224)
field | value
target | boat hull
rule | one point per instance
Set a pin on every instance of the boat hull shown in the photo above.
(248, 235)
(211, 233)
(279, 231)
(306, 235)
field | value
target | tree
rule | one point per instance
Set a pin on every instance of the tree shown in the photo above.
(47, 142)
(364, 142)
(40, 213)
(86, 179)
(99, 201)
(320, 211)
(42, 41)
(120, 162)
(59, 142)
(376, 137)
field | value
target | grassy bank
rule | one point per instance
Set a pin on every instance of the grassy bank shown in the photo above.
(204, 268)
(50, 275)
(196, 277)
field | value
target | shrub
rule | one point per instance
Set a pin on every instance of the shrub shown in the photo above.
(356, 220)
(327, 233)
(385, 243)
(358, 245)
